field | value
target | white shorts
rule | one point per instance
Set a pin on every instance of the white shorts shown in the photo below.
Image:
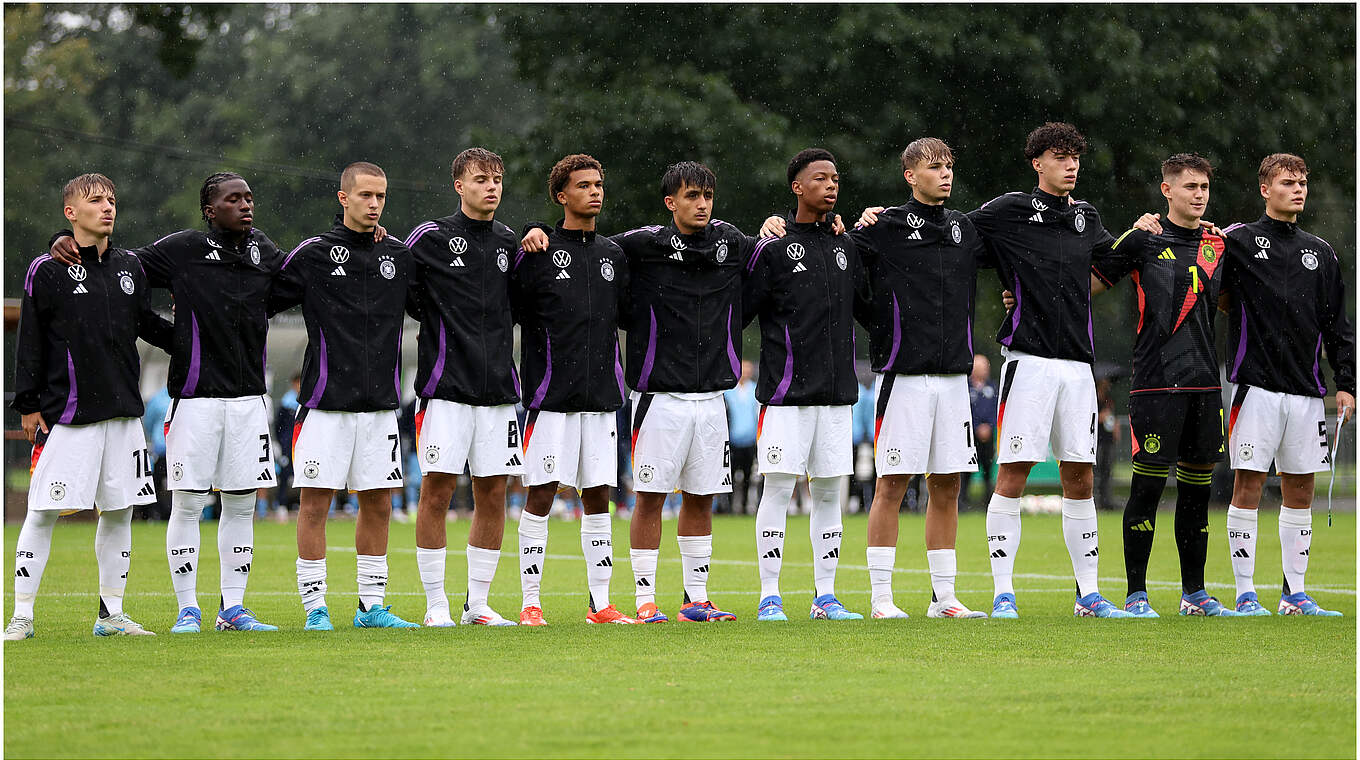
(355, 450)
(451, 436)
(1288, 428)
(1045, 403)
(103, 464)
(572, 449)
(923, 424)
(220, 443)
(680, 444)
(816, 441)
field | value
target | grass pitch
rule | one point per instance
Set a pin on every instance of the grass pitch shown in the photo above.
(1045, 685)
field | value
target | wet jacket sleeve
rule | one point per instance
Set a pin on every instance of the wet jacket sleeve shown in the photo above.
(151, 326)
(755, 285)
(516, 285)
(1337, 335)
(288, 285)
(31, 347)
(1114, 263)
(863, 307)
(157, 262)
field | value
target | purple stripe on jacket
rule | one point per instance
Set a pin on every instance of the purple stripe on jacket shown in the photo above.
(1241, 345)
(33, 271)
(1317, 371)
(438, 371)
(72, 396)
(418, 233)
(732, 349)
(897, 334)
(300, 246)
(1015, 315)
(323, 372)
(542, 389)
(618, 373)
(191, 377)
(650, 356)
(755, 255)
(783, 388)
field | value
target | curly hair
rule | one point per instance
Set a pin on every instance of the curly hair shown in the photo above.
(561, 172)
(1058, 135)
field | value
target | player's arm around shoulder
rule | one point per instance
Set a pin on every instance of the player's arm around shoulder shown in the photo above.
(288, 287)
(1123, 256)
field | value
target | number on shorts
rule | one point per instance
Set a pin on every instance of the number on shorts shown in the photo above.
(393, 439)
(512, 435)
(141, 462)
(727, 453)
(1322, 433)
(968, 433)
(264, 444)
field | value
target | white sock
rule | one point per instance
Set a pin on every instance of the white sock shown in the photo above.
(695, 554)
(1083, 543)
(771, 518)
(943, 568)
(113, 550)
(182, 544)
(372, 576)
(481, 570)
(533, 549)
(824, 528)
(597, 544)
(1242, 548)
(1003, 541)
(1296, 539)
(311, 579)
(430, 565)
(644, 574)
(880, 560)
(235, 545)
(30, 558)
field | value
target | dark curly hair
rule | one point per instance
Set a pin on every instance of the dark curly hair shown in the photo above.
(561, 172)
(1058, 135)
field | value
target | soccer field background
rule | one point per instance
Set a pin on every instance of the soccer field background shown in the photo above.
(1045, 685)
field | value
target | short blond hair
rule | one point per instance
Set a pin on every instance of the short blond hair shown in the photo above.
(352, 172)
(926, 149)
(86, 185)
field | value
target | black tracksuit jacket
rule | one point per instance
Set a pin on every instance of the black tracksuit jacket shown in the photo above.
(1287, 302)
(76, 357)
(462, 283)
(921, 263)
(569, 301)
(684, 311)
(803, 287)
(1043, 246)
(353, 293)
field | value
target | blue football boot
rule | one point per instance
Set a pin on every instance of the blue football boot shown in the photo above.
(771, 608)
(826, 607)
(1137, 605)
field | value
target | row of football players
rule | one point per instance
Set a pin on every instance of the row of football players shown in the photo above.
(682, 292)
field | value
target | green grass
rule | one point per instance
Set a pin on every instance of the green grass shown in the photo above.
(1045, 685)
